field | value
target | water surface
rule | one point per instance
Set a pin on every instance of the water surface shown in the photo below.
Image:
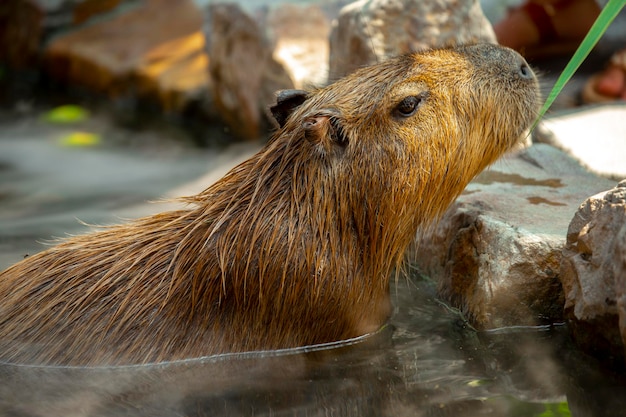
(426, 362)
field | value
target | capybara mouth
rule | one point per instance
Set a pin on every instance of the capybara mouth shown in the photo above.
(294, 246)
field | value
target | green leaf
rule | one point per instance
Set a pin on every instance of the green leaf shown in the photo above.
(556, 410)
(66, 114)
(608, 13)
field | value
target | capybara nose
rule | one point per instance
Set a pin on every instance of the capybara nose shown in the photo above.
(524, 69)
(500, 60)
(519, 65)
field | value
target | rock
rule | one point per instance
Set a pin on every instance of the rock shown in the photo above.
(25, 25)
(606, 153)
(244, 72)
(21, 31)
(619, 272)
(154, 50)
(175, 72)
(496, 252)
(368, 31)
(593, 274)
(300, 37)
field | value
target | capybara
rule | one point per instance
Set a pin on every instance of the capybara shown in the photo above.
(294, 246)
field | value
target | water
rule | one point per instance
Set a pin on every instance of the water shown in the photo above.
(426, 362)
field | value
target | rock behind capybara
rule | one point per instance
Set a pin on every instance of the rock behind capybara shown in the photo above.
(293, 247)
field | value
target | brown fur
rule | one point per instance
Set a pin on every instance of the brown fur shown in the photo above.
(294, 246)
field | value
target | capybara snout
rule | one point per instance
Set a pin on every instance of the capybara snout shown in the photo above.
(499, 61)
(294, 246)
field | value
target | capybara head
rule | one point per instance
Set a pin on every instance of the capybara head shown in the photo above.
(293, 247)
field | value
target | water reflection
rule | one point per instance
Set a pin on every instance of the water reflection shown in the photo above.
(427, 362)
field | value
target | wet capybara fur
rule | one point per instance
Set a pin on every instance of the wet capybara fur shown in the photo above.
(294, 246)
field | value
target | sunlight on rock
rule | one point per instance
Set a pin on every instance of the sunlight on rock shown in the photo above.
(175, 71)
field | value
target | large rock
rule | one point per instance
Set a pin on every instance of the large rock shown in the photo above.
(243, 69)
(593, 273)
(153, 50)
(368, 31)
(174, 73)
(496, 252)
(619, 272)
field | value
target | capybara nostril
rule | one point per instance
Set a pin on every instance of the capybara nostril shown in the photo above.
(525, 71)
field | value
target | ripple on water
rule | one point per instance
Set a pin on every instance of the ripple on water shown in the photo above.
(426, 362)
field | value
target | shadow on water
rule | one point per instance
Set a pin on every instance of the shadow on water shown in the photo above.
(426, 362)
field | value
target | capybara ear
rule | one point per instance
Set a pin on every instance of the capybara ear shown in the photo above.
(337, 133)
(324, 129)
(286, 102)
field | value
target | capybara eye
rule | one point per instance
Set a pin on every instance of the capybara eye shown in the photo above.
(408, 106)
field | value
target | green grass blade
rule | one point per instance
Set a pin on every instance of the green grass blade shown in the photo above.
(608, 13)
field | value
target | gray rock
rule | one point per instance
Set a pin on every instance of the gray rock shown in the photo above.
(619, 271)
(496, 252)
(368, 31)
(593, 273)
(243, 69)
(605, 153)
